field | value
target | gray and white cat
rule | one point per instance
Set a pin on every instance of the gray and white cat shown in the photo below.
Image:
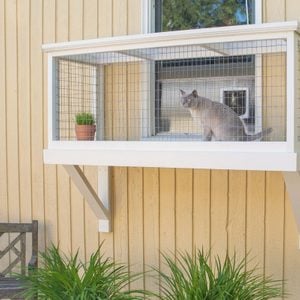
(219, 121)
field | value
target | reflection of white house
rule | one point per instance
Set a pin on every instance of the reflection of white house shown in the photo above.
(212, 88)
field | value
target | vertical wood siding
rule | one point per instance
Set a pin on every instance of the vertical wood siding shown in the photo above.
(153, 209)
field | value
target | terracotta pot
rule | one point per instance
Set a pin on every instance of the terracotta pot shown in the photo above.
(85, 132)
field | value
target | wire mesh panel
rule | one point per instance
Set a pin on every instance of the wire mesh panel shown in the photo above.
(227, 91)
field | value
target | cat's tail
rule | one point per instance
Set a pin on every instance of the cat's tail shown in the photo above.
(258, 136)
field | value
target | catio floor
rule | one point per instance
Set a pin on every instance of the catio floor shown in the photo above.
(138, 94)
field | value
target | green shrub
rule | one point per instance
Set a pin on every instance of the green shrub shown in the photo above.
(61, 277)
(192, 278)
(85, 118)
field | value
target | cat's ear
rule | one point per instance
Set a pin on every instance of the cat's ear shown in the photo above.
(194, 93)
(182, 92)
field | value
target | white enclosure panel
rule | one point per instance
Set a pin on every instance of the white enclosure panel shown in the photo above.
(176, 159)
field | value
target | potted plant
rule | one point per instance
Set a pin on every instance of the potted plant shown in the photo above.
(85, 127)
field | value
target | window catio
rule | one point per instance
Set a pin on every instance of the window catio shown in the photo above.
(236, 85)
(233, 91)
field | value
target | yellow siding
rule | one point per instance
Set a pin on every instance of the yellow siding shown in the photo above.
(153, 209)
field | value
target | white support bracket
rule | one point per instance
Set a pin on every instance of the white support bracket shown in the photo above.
(100, 208)
(292, 182)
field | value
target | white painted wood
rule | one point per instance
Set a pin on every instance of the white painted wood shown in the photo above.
(258, 11)
(100, 103)
(89, 194)
(174, 159)
(146, 95)
(147, 13)
(104, 195)
(164, 144)
(51, 93)
(292, 182)
(291, 94)
(174, 38)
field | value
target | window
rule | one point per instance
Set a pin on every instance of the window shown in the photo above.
(231, 80)
(191, 14)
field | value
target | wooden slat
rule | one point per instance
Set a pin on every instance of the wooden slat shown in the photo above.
(11, 245)
(291, 253)
(50, 182)
(134, 16)
(23, 22)
(274, 95)
(13, 183)
(64, 210)
(151, 222)
(134, 76)
(119, 91)
(237, 213)
(24, 116)
(292, 13)
(91, 241)
(136, 223)
(105, 18)
(120, 17)
(15, 227)
(274, 10)
(64, 193)
(90, 20)
(201, 210)
(37, 110)
(219, 212)
(76, 18)
(105, 28)
(90, 25)
(184, 209)
(167, 226)
(274, 238)
(255, 235)
(11, 266)
(120, 216)
(3, 116)
(62, 20)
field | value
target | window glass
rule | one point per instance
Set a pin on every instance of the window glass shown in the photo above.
(190, 14)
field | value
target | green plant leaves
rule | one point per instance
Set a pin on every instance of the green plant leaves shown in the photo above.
(188, 277)
(191, 277)
(85, 118)
(63, 277)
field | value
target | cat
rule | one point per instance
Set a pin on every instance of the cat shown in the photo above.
(219, 121)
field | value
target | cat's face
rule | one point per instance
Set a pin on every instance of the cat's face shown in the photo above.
(187, 100)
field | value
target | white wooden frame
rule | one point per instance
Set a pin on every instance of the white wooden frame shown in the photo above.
(253, 155)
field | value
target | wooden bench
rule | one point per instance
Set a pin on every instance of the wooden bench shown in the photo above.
(11, 287)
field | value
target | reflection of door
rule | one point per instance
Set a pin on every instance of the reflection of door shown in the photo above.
(173, 118)
(238, 100)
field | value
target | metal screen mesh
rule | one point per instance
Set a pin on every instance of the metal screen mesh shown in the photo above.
(232, 91)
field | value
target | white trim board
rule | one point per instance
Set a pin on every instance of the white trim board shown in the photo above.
(174, 159)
